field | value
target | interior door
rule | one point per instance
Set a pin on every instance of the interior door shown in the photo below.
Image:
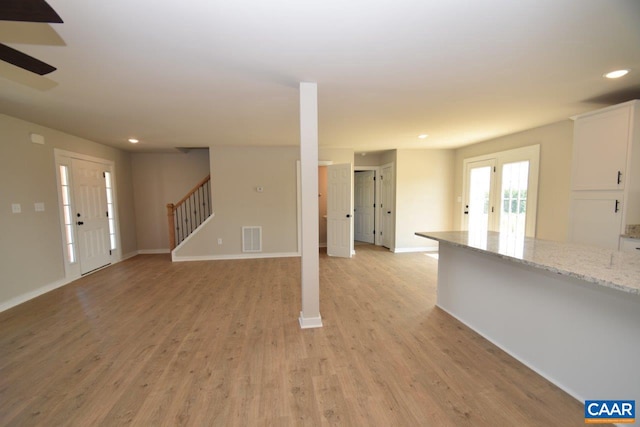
(364, 206)
(478, 203)
(340, 210)
(386, 205)
(92, 222)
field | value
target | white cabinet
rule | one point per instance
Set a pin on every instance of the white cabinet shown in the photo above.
(596, 218)
(630, 245)
(605, 175)
(600, 150)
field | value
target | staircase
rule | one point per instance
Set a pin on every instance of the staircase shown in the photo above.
(191, 211)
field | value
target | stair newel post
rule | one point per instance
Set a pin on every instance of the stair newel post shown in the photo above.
(171, 222)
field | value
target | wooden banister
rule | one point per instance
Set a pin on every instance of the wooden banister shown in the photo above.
(193, 190)
(171, 209)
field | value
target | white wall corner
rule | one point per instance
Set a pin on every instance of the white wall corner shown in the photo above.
(6, 305)
(128, 255)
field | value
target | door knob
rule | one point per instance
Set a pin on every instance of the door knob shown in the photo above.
(348, 215)
(80, 223)
(388, 212)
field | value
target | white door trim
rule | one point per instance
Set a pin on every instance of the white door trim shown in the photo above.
(376, 169)
(531, 153)
(63, 157)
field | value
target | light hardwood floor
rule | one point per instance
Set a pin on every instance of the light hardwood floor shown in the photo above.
(148, 342)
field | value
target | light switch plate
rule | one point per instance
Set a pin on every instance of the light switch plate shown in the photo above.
(16, 208)
(39, 206)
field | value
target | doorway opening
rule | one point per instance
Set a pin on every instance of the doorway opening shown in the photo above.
(364, 207)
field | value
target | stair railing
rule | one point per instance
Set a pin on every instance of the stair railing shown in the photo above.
(191, 211)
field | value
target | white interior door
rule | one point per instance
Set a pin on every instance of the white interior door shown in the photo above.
(386, 205)
(340, 210)
(364, 206)
(92, 222)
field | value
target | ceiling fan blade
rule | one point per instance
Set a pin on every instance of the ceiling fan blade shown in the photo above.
(25, 61)
(28, 11)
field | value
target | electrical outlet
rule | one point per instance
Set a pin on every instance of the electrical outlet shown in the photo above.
(39, 206)
(16, 208)
(219, 240)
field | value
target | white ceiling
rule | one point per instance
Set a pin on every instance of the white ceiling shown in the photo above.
(207, 72)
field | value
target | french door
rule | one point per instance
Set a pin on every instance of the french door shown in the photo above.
(500, 194)
(478, 207)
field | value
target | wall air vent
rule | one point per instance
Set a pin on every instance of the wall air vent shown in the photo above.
(252, 239)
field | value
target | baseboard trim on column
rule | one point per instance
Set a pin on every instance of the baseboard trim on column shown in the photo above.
(310, 322)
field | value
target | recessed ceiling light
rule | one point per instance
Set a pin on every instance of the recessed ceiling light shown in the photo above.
(616, 74)
(133, 140)
(423, 136)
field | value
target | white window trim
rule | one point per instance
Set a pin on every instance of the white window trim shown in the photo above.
(530, 153)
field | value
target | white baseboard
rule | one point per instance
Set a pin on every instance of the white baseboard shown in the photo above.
(310, 322)
(419, 249)
(32, 294)
(129, 255)
(53, 285)
(153, 251)
(233, 256)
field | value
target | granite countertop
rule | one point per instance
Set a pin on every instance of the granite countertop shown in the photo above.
(606, 267)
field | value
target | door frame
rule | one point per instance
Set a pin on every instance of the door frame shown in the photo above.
(376, 211)
(63, 158)
(391, 234)
(530, 153)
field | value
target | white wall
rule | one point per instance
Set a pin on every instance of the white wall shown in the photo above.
(158, 179)
(556, 142)
(424, 191)
(235, 174)
(31, 258)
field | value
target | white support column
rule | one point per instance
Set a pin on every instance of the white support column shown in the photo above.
(310, 314)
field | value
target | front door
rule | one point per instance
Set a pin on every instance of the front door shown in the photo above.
(364, 206)
(340, 210)
(91, 217)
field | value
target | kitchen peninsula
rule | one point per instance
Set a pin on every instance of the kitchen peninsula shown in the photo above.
(569, 312)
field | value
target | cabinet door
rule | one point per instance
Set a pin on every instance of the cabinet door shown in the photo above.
(596, 218)
(600, 144)
(630, 245)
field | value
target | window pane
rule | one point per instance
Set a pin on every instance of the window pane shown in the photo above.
(515, 177)
(107, 177)
(70, 254)
(65, 196)
(64, 180)
(113, 241)
(67, 214)
(69, 233)
(110, 210)
(109, 198)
